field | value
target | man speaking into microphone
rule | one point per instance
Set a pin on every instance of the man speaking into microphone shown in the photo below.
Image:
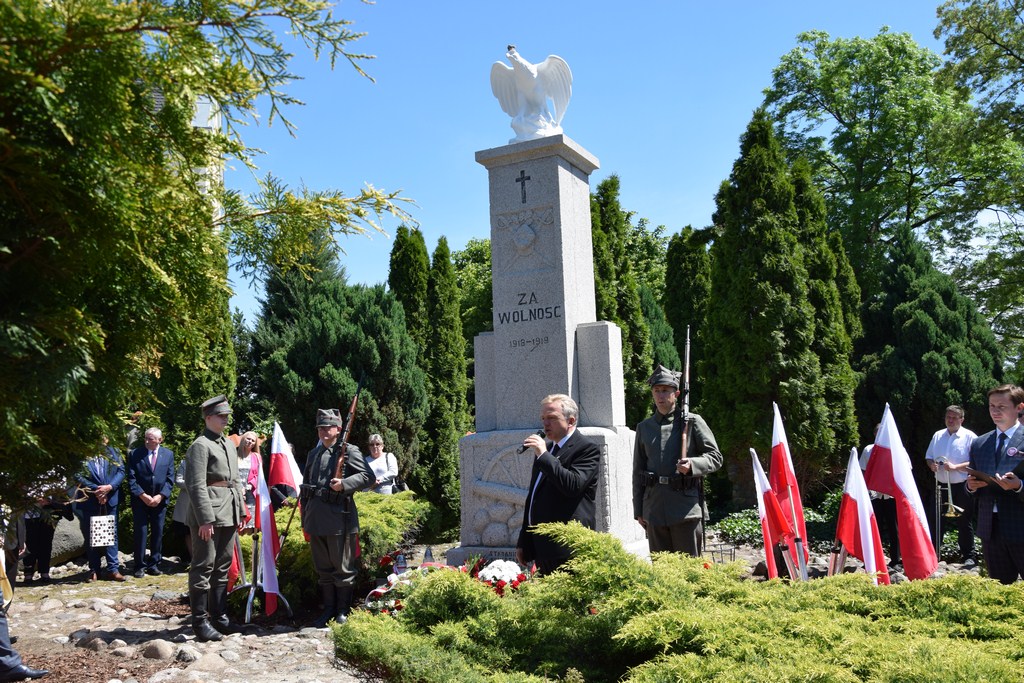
(563, 483)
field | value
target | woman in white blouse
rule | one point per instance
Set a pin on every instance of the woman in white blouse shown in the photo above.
(384, 466)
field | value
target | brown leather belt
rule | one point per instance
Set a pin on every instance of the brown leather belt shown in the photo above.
(223, 484)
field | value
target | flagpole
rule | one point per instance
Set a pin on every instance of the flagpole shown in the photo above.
(800, 560)
(257, 574)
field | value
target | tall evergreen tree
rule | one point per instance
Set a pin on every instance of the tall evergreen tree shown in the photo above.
(685, 299)
(759, 332)
(317, 337)
(832, 344)
(925, 346)
(618, 298)
(662, 342)
(407, 280)
(437, 475)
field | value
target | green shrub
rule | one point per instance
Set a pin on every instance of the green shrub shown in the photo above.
(610, 616)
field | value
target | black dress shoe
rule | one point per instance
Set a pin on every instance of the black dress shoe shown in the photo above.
(224, 626)
(153, 571)
(204, 632)
(139, 574)
(22, 673)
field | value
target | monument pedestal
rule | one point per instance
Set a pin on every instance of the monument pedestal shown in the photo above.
(546, 340)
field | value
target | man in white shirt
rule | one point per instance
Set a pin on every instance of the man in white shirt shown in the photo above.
(947, 456)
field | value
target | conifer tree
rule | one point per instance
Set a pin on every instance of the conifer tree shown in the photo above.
(437, 475)
(925, 346)
(685, 300)
(317, 337)
(407, 280)
(618, 298)
(663, 345)
(832, 344)
(761, 326)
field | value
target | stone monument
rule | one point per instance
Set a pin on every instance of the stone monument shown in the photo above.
(546, 340)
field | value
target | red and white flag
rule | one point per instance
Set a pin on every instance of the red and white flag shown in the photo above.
(857, 528)
(782, 477)
(284, 473)
(774, 525)
(270, 544)
(889, 471)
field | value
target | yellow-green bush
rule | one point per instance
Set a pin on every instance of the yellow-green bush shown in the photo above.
(612, 616)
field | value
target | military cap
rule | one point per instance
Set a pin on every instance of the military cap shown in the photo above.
(328, 417)
(664, 376)
(218, 405)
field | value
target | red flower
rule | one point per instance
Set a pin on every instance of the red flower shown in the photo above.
(521, 577)
(385, 611)
(592, 610)
(502, 583)
(386, 560)
(707, 565)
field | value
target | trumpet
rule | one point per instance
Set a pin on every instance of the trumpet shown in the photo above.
(952, 511)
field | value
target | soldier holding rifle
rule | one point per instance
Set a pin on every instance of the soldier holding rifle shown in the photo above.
(674, 450)
(335, 469)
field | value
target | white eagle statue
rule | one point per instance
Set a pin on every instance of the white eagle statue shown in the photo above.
(524, 91)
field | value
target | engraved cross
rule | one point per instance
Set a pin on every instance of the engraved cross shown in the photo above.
(522, 183)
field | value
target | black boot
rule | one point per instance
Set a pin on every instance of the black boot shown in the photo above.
(344, 598)
(201, 617)
(330, 606)
(219, 611)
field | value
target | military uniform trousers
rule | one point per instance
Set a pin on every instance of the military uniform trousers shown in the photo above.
(685, 537)
(211, 559)
(335, 559)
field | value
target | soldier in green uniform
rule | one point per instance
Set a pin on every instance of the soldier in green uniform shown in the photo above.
(667, 486)
(329, 514)
(217, 513)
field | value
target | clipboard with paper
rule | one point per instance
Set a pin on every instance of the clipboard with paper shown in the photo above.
(989, 479)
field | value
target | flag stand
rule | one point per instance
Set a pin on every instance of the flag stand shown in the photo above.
(257, 581)
(257, 576)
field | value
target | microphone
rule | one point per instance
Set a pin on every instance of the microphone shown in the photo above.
(524, 448)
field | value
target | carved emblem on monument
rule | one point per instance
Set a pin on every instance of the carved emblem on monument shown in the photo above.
(523, 229)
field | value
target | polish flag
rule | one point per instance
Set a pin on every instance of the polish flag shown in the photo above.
(284, 474)
(889, 471)
(774, 524)
(270, 543)
(782, 477)
(857, 523)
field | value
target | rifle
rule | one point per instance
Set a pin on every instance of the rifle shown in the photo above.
(339, 471)
(685, 414)
(685, 437)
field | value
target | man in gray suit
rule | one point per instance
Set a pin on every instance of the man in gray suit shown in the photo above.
(216, 514)
(667, 495)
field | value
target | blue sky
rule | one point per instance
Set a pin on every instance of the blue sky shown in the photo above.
(661, 93)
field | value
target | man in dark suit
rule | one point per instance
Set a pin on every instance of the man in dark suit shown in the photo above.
(150, 477)
(563, 483)
(1001, 502)
(100, 481)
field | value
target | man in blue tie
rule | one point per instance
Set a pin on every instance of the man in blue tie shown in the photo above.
(563, 483)
(999, 495)
(150, 477)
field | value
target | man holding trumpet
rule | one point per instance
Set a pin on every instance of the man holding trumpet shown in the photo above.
(947, 456)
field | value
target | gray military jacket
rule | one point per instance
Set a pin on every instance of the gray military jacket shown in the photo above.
(323, 518)
(657, 450)
(212, 459)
